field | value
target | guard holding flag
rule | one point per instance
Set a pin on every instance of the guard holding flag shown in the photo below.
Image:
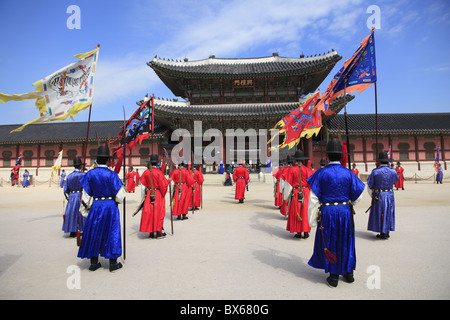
(153, 191)
(382, 211)
(102, 191)
(334, 190)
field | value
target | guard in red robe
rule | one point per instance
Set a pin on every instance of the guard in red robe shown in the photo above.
(399, 170)
(138, 177)
(298, 205)
(154, 189)
(183, 181)
(240, 178)
(354, 170)
(196, 190)
(131, 184)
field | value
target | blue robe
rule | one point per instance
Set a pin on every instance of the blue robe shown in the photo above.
(335, 183)
(101, 234)
(25, 182)
(63, 180)
(440, 175)
(73, 220)
(382, 213)
(221, 170)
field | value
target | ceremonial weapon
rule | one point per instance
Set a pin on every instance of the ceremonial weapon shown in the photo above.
(166, 155)
(141, 205)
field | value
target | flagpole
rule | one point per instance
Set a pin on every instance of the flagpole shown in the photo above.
(124, 179)
(87, 131)
(346, 124)
(376, 121)
(87, 137)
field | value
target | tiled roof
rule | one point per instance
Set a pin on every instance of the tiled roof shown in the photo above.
(67, 131)
(167, 110)
(313, 69)
(245, 66)
(392, 123)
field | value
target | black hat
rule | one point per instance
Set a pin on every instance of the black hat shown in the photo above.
(103, 152)
(334, 146)
(323, 162)
(289, 159)
(77, 162)
(299, 155)
(153, 159)
(383, 157)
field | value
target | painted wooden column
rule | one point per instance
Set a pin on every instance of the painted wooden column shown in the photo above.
(416, 147)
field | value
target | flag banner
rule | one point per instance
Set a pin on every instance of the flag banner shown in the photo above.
(305, 121)
(357, 74)
(436, 162)
(57, 164)
(63, 93)
(138, 127)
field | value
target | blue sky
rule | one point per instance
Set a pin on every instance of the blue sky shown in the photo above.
(412, 46)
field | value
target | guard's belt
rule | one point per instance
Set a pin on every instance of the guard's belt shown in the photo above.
(384, 190)
(326, 204)
(104, 198)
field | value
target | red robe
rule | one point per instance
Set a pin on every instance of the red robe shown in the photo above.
(355, 171)
(399, 183)
(131, 185)
(278, 194)
(198, 181)
(152, 218)
(241, 178)
(296, 210)
(181, 203)
(138, 177)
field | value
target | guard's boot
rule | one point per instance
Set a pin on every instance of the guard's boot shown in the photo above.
(114, 265)
(94, 264)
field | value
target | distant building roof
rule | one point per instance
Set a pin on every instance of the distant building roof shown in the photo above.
(392, 123)
(67, 131)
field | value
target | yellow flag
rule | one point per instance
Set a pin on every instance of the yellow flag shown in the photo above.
(63, 93)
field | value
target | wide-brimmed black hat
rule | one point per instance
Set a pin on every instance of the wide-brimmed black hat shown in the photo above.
(334, 146)
(103, 152)
(323, 162)
(289, 159)
(299, 155)
(78, 162)
(383, 157)
(153, 159)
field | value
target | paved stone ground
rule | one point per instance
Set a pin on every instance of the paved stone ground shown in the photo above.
(225, 251)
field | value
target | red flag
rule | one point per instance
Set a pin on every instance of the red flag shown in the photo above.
(305, 121)
(139, 127)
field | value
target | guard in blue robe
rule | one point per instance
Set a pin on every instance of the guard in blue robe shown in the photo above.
(26, 182)
(73, 220)
(102, 191)
(221, 169)
(63, 179)
(382, 211)
(440, 174)
(334, 189)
